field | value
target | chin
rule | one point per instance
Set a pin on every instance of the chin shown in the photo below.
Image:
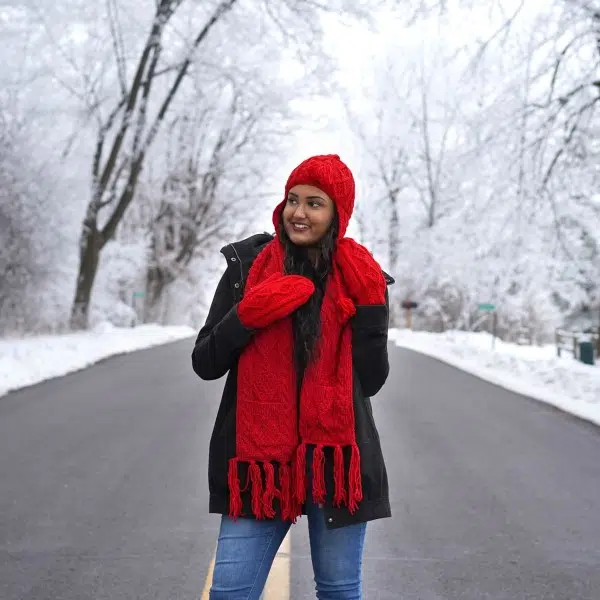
(299, 239)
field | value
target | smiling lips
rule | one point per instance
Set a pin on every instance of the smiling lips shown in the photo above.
(300, 227)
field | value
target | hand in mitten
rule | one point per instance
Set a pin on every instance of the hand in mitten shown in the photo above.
(274, 298)
(361, 273)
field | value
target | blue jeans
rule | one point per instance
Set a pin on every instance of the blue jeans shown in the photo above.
(247, 548)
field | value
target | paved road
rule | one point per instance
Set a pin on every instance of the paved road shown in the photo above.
(102, 489)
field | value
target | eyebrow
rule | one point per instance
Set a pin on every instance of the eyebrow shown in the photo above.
(307, 197)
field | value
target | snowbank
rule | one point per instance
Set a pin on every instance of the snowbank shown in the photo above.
(30, 360)
(529, 370)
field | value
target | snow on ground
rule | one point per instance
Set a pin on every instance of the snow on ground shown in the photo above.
(25, 361)
(533, 371)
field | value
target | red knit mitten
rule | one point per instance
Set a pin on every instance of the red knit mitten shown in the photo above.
(361, 273)
(273, 299)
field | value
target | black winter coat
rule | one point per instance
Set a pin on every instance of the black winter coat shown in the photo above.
(216, 352)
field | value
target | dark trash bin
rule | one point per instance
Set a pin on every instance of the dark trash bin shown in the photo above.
(586, 352)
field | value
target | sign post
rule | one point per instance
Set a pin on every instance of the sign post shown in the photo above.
(134, 295)
(408, 306)
(491, 309)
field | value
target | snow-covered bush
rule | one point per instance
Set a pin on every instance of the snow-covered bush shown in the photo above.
(118, 294)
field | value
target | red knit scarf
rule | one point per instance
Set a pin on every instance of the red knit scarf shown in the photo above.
(273, 428)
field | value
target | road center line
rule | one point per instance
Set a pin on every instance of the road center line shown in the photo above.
(278, 582)
(208, 580)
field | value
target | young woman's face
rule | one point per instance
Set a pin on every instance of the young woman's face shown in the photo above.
(307, 215)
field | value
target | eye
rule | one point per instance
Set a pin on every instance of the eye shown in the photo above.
(292, 201)
(315, 204)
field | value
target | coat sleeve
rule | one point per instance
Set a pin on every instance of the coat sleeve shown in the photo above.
(222, 338)
(369, 346)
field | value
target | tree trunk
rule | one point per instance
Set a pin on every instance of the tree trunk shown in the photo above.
(133, 108)
(394, 243)
(157, 281)
(155, 285)
(393, 238)
(91, 244)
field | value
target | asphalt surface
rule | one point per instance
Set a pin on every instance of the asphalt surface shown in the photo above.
(103, 488)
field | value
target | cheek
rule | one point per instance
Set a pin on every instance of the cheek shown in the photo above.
(325, 219)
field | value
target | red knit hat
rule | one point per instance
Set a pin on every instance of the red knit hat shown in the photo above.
(328, 173)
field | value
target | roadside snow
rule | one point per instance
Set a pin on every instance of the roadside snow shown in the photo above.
(529, 370)
(30, 360)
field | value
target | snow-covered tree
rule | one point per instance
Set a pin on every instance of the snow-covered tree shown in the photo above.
(496, 139)
(31, 240)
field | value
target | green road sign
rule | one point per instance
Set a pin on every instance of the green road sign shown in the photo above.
(139, 294)
(487, 307)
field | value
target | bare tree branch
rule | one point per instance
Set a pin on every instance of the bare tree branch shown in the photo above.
(117, 43)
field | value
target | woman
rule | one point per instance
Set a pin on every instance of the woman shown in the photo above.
(300, 322)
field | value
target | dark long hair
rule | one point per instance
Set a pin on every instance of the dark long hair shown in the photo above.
(306, 321)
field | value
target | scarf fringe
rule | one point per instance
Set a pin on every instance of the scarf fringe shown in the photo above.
(270, 490)
(235, 493)
(286, 496)
(299, 475)
(354, 481)
(339, 495)
(292, 484)
(318, 479)
(257, 490)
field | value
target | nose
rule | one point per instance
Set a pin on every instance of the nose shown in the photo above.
(299, 212)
